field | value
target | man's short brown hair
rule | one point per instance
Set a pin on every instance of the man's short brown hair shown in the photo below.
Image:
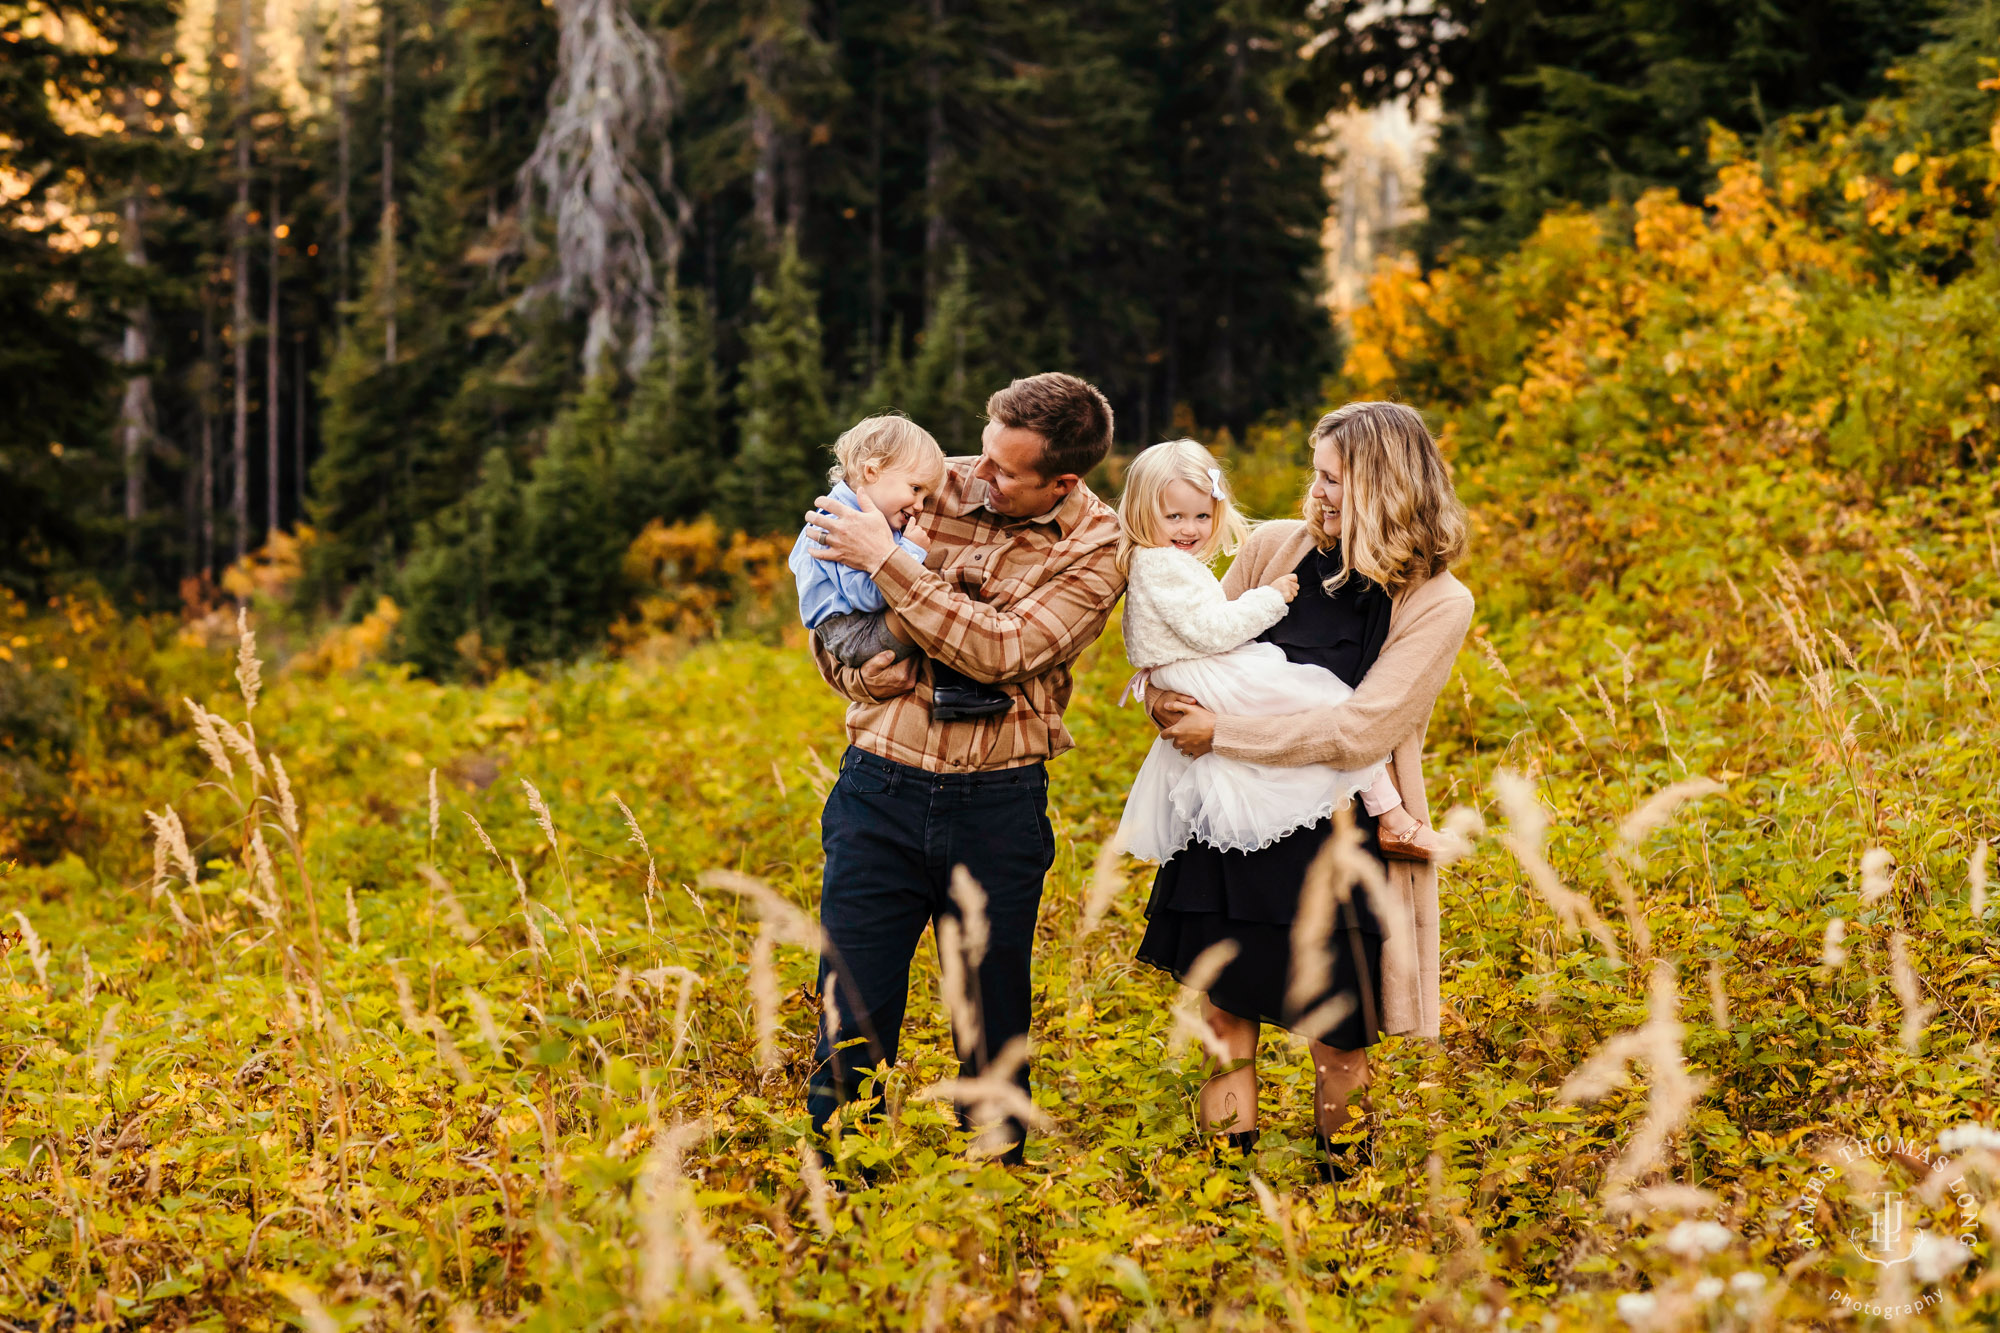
(1071, 415)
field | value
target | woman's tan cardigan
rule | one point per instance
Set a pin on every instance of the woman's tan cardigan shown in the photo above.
(1387, 715)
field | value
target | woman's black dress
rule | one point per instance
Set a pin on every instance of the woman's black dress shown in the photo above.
(1203, 895)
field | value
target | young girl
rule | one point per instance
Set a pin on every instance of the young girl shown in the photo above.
(1184, 635)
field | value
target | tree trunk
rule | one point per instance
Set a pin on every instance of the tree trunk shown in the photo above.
(299, 426)
(763, 145)
(937, 148)
(343, 223)
(388, 238)
(876, 298)
(1225, 352)
(137, 419)
(272, 385)
(239, 330)
(211, 375)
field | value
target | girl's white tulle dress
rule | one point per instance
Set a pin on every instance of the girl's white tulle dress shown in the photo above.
(1186, 636)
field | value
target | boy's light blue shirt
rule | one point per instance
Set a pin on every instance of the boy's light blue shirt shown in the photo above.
(829, 588)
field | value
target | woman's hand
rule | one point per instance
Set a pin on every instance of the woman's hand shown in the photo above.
(1193, 732)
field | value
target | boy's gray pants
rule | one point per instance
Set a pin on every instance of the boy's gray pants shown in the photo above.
(854, 637)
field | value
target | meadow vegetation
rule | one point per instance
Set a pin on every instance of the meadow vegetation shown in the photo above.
(346, 999)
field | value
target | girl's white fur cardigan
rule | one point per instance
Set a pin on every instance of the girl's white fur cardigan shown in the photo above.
(1175, 609)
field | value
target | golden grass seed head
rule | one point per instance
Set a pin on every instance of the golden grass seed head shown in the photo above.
(249, 670)
(208, 737)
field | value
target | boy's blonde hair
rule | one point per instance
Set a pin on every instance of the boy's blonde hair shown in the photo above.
(886, 441)
(1144, 500)
(1400, 520)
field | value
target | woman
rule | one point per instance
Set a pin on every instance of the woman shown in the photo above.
(1379, 608)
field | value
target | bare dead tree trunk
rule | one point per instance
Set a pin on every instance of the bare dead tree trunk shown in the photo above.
(937, 149)
(343, 119)
(272, 386)
(610, 109)
(137, 418)
(389, 185)
(239, 331)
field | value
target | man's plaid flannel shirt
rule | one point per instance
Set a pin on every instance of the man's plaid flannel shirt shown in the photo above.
(1010, 601)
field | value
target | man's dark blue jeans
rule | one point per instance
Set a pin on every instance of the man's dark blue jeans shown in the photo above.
(892, 834)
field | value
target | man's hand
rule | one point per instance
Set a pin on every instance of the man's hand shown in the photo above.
(858, 538)
(885, 676)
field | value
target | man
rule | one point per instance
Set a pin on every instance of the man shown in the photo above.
(1018, 579)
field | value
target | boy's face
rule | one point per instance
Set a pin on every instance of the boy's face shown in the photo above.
(898, 490)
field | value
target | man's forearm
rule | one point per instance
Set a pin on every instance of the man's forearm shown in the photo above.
(854, 684)
(1000, 647)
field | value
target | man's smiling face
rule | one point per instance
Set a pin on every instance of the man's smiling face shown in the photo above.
(1010, 463)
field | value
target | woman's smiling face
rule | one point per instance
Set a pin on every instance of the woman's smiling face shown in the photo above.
(1326, 484)
(1187, 516)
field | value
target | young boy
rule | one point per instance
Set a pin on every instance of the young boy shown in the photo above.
(897, 465)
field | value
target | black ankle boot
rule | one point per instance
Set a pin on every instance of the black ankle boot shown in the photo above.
(1245, 1143)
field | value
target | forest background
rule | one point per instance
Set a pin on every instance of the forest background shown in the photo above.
(1701, 309)
(393, 276)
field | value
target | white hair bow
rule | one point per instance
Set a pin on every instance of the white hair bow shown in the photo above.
(1215, 482)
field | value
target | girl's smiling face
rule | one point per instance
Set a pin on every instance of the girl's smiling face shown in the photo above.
(1187, 516)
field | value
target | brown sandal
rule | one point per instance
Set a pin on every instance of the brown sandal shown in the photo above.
(1409, 847)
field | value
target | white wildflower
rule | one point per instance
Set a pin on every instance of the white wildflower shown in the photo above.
(1696, 1240)
(1636, 1308)
(1936, 1258)
(1878, 876)
(1961, 1137)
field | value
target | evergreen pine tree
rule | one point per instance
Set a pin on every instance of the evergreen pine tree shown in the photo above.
(886, 388)
(570, 529)
(1552, 102)
(60, 305)
(951, 376)
(469, 587)
(360, 482)
(669, 457)
(399, 444)
(786, 427)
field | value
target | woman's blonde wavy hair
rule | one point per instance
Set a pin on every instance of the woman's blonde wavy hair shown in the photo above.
(1400, 519)
(1144, 500)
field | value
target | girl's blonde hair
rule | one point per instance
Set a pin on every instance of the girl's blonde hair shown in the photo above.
(1400, 519)
(885, 441)
(1144, 500)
